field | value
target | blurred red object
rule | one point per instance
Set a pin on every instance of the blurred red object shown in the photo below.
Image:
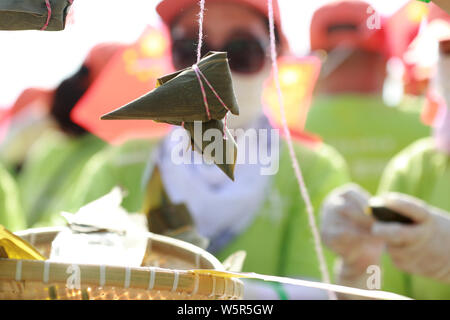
(131, 73)
(437, 13)
(433, 103)
(29, 98)
(402, 28)
(346, 24)
(298, 77)
(99, 57)
(4, 122)
(169, 10)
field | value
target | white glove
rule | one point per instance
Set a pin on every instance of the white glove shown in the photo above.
(422, 248)
(346, 230)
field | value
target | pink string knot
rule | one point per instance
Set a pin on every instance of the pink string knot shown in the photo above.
(49, 14)
(201, 76)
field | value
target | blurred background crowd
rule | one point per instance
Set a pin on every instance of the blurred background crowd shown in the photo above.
(366, 89)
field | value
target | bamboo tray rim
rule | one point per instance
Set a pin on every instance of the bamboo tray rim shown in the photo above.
(153, 237)
(144, 277)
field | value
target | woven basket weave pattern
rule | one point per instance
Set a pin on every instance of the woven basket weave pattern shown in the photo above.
(164, 275)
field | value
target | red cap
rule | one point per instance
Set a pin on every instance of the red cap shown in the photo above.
(437, 13)
(170, 9)
(345, 23)
(99, 56)
(31, 95)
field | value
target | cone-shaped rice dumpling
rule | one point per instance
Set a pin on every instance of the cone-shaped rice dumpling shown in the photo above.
(203, 92)
(178, 96)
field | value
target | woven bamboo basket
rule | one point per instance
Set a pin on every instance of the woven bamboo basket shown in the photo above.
(166, 273)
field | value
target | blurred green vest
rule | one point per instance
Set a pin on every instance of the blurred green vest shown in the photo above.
(11, 213)
(366, 131)
(49, 174)
(280, 241)
(423, 172)
(122, 166)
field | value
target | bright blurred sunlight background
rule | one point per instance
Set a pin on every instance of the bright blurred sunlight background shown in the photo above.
(43, 59)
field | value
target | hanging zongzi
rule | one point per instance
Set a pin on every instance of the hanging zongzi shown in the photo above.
(203, 92)
(227, 147)
(34, 14)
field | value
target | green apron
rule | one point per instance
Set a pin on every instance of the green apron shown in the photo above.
(122, 166)
(279, 241)
(48, 178)
(423, 172)
(366, 132)
(20, 139)
(11, 214)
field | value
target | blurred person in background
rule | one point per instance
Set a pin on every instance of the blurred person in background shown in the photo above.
(416, 183)
(11, 214)
(124, 166)
(263, 215)
(348, 111)
(23, 124)
(422, 169)
(54, 161)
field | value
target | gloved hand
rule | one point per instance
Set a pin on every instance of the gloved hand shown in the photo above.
(346, 229)
(422, 248)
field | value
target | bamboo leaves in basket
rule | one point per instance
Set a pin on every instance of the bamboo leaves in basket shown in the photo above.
(167, 218)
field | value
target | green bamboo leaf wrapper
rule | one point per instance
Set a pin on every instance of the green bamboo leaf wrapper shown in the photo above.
(178, 96)
(166, 218)
(32, 14)
(227, 160)
(177, 100)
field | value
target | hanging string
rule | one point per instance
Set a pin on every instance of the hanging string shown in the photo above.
(200, 30)
(356, 292)
(198, 72)
(202, 88)
(201, 76)
(295, 164)
(49, 14)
